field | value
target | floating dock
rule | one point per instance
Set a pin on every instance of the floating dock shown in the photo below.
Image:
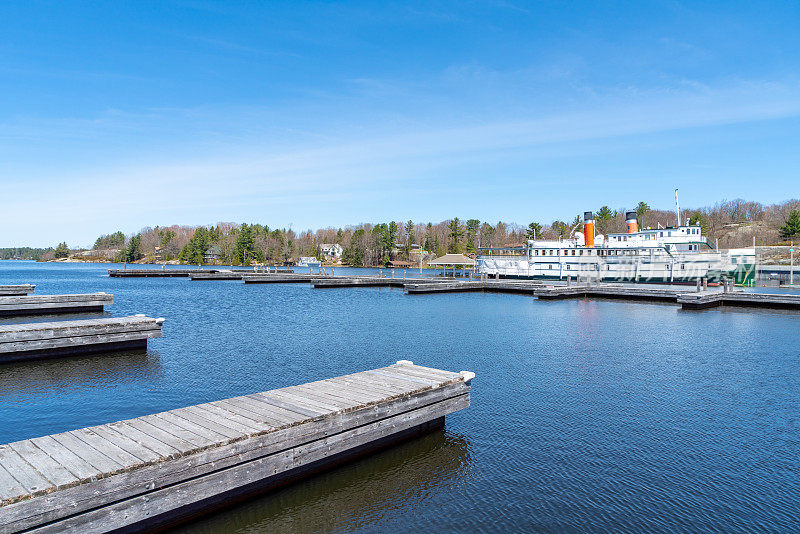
(372, 281)
(221, 275)
(52, 304)
(490, 286)
(777, 301)
(611, 292)
(178, 273)
(65, 338)
(281, 278)
(158, 470)
(22, 289)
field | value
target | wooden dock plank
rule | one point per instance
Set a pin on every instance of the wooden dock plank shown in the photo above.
(317, 393)
(169, 427)
(87, 453)
(47, 466)
(161, 448)
(238, 422)
(288, 407)
(24, 473)
(303, 401)
(209, 420)
(70, 461)
(10, 489)
(210, 436)
(171, 439)
(248, 408)
(370, 387)
(127, 444)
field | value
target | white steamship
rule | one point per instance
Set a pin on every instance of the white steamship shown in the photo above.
(674, 254)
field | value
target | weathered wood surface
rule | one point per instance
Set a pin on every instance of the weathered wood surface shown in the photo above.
(51, 304)
(699, 301)
(35, 340)
(14, 290)
(155, 470)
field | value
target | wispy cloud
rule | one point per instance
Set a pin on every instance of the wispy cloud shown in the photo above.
(308, 172)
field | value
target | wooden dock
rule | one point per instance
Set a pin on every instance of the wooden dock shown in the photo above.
(184, 273)
(528, 287)
(52, 304)
(22, 289)
(221, 275)
(65, 338)
(777, 301)
(155, 471)
(611, 292)
(364, 281)
(281, 278)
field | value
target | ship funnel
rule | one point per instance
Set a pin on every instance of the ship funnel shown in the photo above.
(632, 219)
(588, 228)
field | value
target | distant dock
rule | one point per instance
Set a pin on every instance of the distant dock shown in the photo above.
(22, 289)
(181, 273)
(66, 338)
(53, 304)
(154, 471)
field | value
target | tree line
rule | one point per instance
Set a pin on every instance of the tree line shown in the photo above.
(731, 224)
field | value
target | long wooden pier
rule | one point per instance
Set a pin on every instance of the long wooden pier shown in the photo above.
(64, 338)
(52, 304)
(157, 470)
(14, 290)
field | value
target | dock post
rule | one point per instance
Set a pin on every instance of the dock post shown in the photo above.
(392, 273)
(569, 281)
(705, 284)
(380, 273)
(698, 285)
(404, 274)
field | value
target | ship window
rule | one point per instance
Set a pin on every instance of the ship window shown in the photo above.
(573, 252)
(568, 267)
(683, 266)
(733, 261)
(662, 234)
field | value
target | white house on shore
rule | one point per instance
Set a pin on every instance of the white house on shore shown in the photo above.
(332, 251)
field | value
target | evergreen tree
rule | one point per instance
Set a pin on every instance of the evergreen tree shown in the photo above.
(791, 229)
(472, 232)
(132, 252)
(603, 217)
(456, 233)
(244, 249)
(534, 229)
(61, 251)
(641, 210)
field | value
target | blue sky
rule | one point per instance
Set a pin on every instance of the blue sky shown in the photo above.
(119, 115)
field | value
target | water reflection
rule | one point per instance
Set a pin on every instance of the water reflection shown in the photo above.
(18, 379)
(377, 489)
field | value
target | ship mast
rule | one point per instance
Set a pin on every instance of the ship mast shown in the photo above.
(677, 208)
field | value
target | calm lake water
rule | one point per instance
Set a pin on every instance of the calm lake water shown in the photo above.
(585, 416)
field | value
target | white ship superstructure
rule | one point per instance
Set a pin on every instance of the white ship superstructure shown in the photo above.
(667, 255)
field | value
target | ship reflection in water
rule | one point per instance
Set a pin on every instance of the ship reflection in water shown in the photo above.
(380, 489)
